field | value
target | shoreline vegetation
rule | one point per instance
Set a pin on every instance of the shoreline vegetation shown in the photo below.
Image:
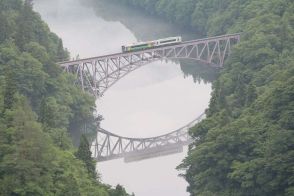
(39, 107)
(246, 141)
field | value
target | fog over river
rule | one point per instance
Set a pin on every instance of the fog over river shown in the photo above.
(153, 100)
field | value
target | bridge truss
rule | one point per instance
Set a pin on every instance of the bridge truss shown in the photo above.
(108, 146)
(97, 74)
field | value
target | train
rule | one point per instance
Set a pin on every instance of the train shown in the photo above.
(151, 44)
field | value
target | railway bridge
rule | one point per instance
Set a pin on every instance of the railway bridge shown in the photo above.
(97, 74)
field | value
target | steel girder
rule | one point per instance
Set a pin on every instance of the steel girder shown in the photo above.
(108, 146)
(97, 74)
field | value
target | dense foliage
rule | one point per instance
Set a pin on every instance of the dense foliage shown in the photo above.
(245, 146)
(84, 154)
(39, 106)
(144, 27)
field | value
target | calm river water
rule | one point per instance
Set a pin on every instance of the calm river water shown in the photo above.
(153, 100)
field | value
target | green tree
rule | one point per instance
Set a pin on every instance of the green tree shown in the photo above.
(251, 94)
(25, 33)
(39, 105)
(118, 191)
(26, 163)
(10, 89)
(244, 146)
(84, 154)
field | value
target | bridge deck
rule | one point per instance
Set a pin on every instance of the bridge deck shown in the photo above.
(78, 61)
(97, 74)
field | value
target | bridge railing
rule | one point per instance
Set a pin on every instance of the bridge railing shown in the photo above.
(97, 74)
(235, 36)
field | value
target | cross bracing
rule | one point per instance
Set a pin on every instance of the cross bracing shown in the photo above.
(108, 146)
(97, 74)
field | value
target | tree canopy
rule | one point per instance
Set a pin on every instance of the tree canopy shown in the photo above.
(39, 107)
(245, 145)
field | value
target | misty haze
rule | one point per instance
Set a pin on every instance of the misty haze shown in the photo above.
(146, 97)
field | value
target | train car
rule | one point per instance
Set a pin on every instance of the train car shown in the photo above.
(151, 44)
(138, 46)
(168, 41)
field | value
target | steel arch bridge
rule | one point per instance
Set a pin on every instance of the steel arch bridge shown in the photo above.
(97, 74)
(108, 146)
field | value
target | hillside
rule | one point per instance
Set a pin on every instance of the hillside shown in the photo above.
(245, 144)
(39, 107)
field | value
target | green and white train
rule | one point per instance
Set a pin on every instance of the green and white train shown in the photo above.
(151, 44)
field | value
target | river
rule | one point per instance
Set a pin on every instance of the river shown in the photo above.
(153, 100)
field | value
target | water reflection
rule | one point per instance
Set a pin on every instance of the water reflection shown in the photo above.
(147, 27)
(153, 100)
(144, 26)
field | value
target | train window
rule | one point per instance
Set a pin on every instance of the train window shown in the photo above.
(166, 41)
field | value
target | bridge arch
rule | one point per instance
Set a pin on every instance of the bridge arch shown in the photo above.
(96, 75)
(108, 146)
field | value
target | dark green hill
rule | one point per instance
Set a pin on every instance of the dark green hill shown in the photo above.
(246, 144)
(39, 107)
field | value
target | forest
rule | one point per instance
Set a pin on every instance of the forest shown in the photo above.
(39, 107)
(245, 146)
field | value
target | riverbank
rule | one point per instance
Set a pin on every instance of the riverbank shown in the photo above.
(170, 93)
(39, 107)
(250, 112)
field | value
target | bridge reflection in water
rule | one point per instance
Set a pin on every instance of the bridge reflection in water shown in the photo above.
(97, 74)
(108, 146)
